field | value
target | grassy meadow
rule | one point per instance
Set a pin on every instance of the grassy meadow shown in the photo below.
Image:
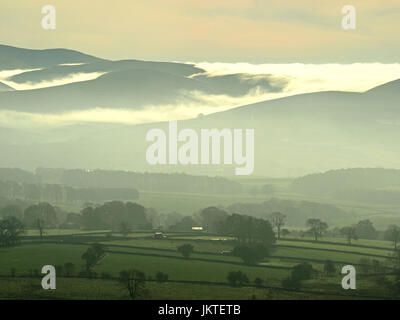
(202, 276)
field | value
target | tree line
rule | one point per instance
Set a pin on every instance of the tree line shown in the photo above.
(56, 193)
(164, 182)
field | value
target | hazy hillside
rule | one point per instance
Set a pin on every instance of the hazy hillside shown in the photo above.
(334, 180)
(143, 181)
(126, 85)
(114, 179)
(62, 71)
(293, 136)
(367, 185)
(130, 89)
(17, 175)
(388, 90)
(19, 58)
(297, 212)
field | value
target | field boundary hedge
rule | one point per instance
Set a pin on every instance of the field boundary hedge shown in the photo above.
(335, 250)
(226, 284)
(337, 243)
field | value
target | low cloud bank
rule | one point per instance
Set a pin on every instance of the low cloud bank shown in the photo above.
(288, 79)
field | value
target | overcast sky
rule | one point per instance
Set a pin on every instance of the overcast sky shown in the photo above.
(256, 31)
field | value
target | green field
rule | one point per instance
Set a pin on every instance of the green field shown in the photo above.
(80, 289)
(203, 276)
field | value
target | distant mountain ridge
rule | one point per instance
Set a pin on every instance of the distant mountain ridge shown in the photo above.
(19, 58)
(386, 88)
(125, 84)
(62, 71)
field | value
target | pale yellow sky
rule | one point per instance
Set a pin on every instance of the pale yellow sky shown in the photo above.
(258, 31)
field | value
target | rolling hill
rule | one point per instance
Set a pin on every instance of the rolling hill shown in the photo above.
(293, 136)
(19, 58)
(126, 89)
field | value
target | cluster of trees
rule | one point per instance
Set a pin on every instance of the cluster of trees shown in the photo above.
(14, 220)
(10, 231)
(212, 218)
(93, 255)
(254, 236)
(111, 215)
(300, 272)
(237, 278)
(186, 250)
(248, 230)
(364, 229)
(37, 216)
(253, 254)
(115, 215)
(316, 228)
(245, 229)
(43, 214)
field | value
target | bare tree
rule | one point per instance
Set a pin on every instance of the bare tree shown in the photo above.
(40, 227)
(317, 227)
(393, 234)
(134, 281)
(93, 255)
(124, 229)
(350, 233)
(278, 220)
